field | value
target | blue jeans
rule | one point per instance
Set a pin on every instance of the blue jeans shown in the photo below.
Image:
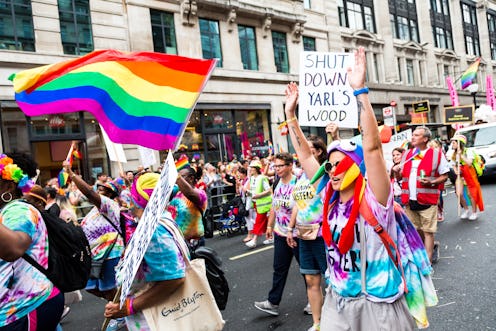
(283, 256)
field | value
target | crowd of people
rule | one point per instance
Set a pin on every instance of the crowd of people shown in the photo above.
(315, 207)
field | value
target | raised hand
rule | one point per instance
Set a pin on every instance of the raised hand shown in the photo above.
(291, 100)
(356, 74)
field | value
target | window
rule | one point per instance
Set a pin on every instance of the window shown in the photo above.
(400, 76)
(491, 22)
(403, 19)
(309, 44)
(470, 30)
(210, 40)
(307, 4)
(248, 46)
(163, 32)
(441, 24)
(375, 63)
(357, 14)
(16, 25)
(75, 26)
(280, 51)
(410, 77)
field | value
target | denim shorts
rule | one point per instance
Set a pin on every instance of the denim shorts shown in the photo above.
(107, 282)
(312, 257)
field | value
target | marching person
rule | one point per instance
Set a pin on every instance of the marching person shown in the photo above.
(423, 170)
(279, 218)
(366, 289)
(29, 301)
(162, 269)
(467, 178)
(103, 236)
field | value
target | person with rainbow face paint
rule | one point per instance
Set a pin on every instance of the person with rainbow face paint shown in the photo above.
(366, 290)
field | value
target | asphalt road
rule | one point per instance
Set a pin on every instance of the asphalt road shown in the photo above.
(464, 279)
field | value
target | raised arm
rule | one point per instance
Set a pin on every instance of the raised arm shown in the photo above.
(372, 147)
(86, 190)
(309, 164)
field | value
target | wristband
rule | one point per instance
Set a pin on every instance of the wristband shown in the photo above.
(269, 227)
(291, 120)
(129, 306)
(361, 91)
(290, 229)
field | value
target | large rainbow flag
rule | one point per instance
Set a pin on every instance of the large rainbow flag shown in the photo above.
(141, 98)
(469, 75)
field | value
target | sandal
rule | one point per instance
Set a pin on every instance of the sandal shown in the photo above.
(247, 239)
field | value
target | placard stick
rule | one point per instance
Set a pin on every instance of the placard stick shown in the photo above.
(70, 152)
(116, 300)
(459, 190)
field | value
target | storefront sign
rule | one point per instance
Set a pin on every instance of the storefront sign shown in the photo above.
(460, 114)
(56, 121)
(325, 94)
(421, 107)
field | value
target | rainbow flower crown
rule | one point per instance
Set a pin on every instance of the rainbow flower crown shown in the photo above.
(11, 171)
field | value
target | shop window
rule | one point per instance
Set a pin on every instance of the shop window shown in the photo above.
(16, 25)
(210, 40)
(163, 31)
(55, 126)
(280, 51)
(75, 26)
(248, 46)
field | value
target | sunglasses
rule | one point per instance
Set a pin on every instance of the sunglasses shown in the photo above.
(329, 165)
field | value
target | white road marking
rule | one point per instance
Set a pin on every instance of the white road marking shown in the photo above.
(251, 252)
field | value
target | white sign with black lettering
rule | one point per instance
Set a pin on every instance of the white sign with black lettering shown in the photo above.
(324, 92)
(146, 226)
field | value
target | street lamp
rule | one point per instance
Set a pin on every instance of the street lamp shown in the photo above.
(473, 88)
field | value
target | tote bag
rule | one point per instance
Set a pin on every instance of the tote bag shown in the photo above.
(192, 306)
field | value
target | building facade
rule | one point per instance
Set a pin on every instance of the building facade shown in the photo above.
(410, 52)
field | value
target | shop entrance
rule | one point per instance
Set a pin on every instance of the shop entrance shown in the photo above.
(221, 147)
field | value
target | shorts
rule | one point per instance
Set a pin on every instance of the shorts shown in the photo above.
(107, 282)
(424, 220)
(340, 314)
(312, 257)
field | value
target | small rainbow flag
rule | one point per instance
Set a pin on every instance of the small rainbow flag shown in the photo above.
(182, 162)
(62, 178)
(141, 98)
(469, 75)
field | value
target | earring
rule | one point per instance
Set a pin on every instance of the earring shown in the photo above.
(9, 199)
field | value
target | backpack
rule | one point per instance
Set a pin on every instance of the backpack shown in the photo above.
(479, 163)
(69, 254)
(413, 264)
(215, 275)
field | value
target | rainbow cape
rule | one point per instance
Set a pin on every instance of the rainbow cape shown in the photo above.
(469, 75)
(141, 98)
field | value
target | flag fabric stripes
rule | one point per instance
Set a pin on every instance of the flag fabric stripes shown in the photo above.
(469, 75)
(142, 98)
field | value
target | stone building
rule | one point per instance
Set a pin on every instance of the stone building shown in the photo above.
(412, 46)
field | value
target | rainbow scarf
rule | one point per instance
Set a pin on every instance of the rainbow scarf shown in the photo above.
(469, 75)
(141, 98)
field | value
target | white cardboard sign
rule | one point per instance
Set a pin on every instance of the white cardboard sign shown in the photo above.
(324, 92)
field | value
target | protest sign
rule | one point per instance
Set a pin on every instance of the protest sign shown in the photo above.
(459, 114)
(146, 226)
(325, 94)
(147, 156)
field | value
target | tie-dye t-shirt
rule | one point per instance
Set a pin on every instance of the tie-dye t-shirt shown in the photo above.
(309, 203)
(23, 288)
(162, 261)
(282, 205)
(186, 215)
(384, 282)
(99, 232)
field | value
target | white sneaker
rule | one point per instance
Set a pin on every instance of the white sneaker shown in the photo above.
(252, 243)
(473, 216)
(315, 327)
(307, 310)
(268, 241)
(465, 214)
(267, 307)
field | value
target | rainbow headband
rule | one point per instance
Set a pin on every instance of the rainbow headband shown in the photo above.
(11, 171)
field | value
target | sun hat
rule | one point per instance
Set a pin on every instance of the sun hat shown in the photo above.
(256, 164)
(459, 138)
